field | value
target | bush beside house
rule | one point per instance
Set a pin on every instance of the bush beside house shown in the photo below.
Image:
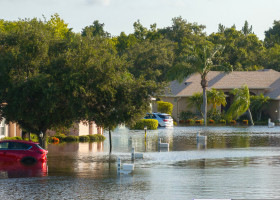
(151, 124)
(165, 107)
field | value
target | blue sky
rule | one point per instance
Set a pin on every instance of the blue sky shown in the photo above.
(119, 15)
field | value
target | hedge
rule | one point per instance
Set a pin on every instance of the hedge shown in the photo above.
(165, 107)
(151, 124)
(96, 138)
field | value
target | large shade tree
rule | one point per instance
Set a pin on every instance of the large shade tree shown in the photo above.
(36, 86)
(53, 78)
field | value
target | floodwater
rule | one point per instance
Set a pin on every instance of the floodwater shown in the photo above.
(237, 163)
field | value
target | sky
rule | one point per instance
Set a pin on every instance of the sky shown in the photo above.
(119, 15)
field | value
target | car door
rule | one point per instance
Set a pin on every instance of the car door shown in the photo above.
(17, 151)
(3, 151)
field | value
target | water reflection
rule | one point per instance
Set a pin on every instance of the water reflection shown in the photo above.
(235, 163)
(19, 170)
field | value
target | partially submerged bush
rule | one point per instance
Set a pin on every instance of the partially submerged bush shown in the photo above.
(96, 138)
(71, 138)
(151, 124)
(61, 137)
(84, 138)
(54, 140)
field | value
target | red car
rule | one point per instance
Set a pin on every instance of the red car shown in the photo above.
(23, 151)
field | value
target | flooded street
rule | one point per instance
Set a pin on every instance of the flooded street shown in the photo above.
(236, 163)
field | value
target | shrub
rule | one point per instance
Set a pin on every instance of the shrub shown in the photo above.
(233, 122)
(71, 138)
(199, 121)
(61, 137)
(186, 115)
(12, 138)
(54, 140)
(174, 123)
(245, 122)
(222, 121)
(84, 138)
(96, 138)
(211, 121)
(151, 124)
(189, 121)
(165, 107)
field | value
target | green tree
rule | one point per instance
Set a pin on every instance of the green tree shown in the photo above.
(216, 98)
(240, 105)
(272, 36)
(200, 61)
(35, 97)
(151, 59)
(243, 52)
(246, 30)
(196, 100)
(258, 103)
(272, 58)
(95, 30)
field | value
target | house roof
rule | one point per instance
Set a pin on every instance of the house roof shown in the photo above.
(267, 80)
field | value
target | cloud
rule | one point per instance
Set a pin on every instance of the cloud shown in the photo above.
(99, 2)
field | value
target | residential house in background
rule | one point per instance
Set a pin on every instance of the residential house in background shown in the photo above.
(9, 130)
(81, 128)
(265, 81)
(78, 129)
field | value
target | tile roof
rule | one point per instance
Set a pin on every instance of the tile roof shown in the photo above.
(268, 80)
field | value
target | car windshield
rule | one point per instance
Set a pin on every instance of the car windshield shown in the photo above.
(39, 146)
(165, 116)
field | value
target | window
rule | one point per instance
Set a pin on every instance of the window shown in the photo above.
(4, 145)
(2, 127)
(17, 145)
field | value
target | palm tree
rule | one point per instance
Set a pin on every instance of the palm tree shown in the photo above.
(216, 97)
(241, 103)
(258, 103)
(196, 100)
(199, 61)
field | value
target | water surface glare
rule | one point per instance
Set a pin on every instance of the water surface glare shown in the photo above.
(235, 163)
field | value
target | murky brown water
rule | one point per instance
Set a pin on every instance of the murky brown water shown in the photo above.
(236, 163)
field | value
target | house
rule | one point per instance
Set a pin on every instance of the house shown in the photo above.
(265, 81)
(9, 130)
(81, 128)
(78, 129)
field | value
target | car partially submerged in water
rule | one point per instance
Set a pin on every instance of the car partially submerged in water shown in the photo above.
(164, 120)
(23, 151)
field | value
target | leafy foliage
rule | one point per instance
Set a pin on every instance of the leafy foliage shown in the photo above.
(241, 103)
(152, 124)
(165, 107)
(258, 103)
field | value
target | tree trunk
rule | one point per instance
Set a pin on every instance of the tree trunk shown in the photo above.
(42, 141)
(250, 117)
(110, 140)
(204, 85)
(205, 106)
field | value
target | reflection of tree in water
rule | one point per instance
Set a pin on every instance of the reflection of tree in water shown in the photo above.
(237, 141)
(76, 159)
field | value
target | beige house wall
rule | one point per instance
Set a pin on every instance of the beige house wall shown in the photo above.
(85, 128)
(181, 104)
(81, 128)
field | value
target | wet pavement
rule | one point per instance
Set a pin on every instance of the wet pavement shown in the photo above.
(237, 163)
